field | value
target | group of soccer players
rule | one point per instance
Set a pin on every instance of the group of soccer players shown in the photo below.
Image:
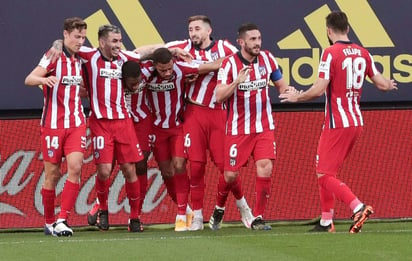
(180, 101)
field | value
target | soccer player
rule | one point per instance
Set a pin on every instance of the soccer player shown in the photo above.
(137, 102)
(112, 131)
(243, 82)
(63, 128)
(204, 127)
(165, 80)
(342, 70)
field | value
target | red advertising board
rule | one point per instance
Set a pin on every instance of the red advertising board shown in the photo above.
(378, 170)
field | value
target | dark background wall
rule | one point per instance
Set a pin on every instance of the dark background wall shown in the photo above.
(29, 27)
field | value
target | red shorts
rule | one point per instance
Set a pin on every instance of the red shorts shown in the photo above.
(204, 128)
(168, 143)
(239, 148)
(334, 146)
(56, 143)
(114, 139)
(144, 133)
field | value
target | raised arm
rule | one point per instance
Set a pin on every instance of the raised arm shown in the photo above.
(224, 91)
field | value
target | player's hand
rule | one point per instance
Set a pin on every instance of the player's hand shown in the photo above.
(182, 55)
(290, 95)
(394, 85)
(55, 51)
(243, 74)
(50, 81)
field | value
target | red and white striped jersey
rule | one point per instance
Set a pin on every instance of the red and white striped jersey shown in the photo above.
(137, 103)
(345, 65)
(104, 80)
(166, 96)
(62, 104)
(249, 107)
(202, 90)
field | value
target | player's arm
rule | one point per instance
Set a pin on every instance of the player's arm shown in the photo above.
(210, 67)
(383, 83)
(224, 91)
(146, 50)
(317, 89)
(39, 77)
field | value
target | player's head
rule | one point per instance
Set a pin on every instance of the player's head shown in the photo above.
(337, 24)
(74, 33)
(110, 40)
(131, 75)
(163, 62)
(200, 29)
(249, 39)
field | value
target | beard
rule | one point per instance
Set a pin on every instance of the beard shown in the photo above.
(253, 51)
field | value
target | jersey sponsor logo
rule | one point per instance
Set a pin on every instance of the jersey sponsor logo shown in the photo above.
(370, 33)
(253, 85)
(111, 73)
(71, 80)
(161, 87)
(324, 67)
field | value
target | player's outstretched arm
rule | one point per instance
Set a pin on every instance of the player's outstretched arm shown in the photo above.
(383, 83)
(317, 89)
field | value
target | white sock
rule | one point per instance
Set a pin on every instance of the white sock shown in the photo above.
(325, 222)
(198, 213)
(188, 209)
(358, 207)
(241, 202)
(181, 217)
(223, 208)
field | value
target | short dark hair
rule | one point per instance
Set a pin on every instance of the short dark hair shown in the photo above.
(74, 23)
(161, 55)
(244, 28)
(203, 18)
(104, 30)
(131, 69)
(337, 21)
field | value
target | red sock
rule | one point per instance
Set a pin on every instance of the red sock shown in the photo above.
(197, 184)
(223, 189)
(102, 192)
(142, 188)
(182, 192)
(327, 203)
(133, 194)
(262, 195)
(48, 197)
(170, 186)
(338, 188)
(237, 188)
(68, 198)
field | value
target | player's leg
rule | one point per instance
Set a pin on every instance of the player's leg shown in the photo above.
(195, 142)
(184, 213)
(264, 156)
(128, 153)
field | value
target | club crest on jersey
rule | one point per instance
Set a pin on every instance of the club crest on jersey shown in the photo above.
(232, 162)
(161, 87)
(215, 56)
(252, 85)
(96, 155)
(262, 70)
(71, 80)
(111, 73)
(50, 153)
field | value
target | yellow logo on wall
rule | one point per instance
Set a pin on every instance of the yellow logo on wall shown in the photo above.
(133, 18)
(364, 24)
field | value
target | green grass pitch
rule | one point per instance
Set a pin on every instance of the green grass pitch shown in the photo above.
(286, 241)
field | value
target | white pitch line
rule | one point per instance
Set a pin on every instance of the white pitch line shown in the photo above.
(73, 240)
